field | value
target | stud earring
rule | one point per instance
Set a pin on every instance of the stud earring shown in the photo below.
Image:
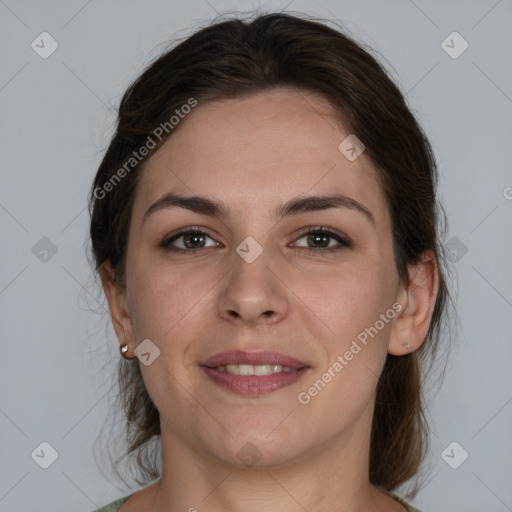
(124, 351)
(406, 345)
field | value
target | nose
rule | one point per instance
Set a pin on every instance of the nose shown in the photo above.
(255, 292)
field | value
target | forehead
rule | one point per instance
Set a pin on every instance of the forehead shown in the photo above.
(258, 151)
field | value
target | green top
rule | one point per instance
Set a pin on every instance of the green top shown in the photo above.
(114, 506)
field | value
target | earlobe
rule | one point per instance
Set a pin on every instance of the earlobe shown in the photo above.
(116, 296)
(418, 300)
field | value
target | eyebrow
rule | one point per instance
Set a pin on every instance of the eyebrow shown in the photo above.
(295, 206)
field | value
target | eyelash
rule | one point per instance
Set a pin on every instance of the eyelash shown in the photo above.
(311, 230)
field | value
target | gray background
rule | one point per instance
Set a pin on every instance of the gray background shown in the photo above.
(58, 353)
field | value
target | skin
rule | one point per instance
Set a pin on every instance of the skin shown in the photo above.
(254, 153)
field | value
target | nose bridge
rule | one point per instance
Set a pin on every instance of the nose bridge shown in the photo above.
(251, 268)
(251, 289)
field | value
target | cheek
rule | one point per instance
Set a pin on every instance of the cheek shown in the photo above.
(160, 298)
(358, 310)
(349, 303)
(345, 382)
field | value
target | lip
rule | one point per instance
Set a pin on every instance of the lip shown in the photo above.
(253, 385)
(254, 358)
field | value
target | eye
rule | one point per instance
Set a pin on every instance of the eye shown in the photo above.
(320, 236)
(195, 238)
(192, 239)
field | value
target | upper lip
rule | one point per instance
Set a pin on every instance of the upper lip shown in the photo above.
(252, 358)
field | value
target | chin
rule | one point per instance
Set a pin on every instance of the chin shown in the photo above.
(257, 448)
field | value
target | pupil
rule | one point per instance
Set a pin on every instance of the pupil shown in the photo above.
(317, 237)
(194, 237)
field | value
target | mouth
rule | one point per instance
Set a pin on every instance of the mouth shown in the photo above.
(253, 373)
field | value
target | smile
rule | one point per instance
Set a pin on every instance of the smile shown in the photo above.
(253, 373)
(260, 369)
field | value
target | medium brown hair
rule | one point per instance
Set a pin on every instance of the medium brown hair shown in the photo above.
(234, 58)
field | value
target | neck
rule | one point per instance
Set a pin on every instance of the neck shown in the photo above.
(332, 476)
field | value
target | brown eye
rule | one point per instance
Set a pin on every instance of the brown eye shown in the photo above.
(319, 240)
(191, 239)
(322, 237)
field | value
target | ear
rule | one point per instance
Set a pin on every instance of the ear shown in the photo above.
(418, 300)
(119, 311)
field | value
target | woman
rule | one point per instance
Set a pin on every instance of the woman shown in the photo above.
(264, 223)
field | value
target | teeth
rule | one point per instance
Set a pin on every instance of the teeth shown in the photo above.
(263, 369)
(245, 369)
(249, 369)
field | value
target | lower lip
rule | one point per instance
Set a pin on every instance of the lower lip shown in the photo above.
(253, 384)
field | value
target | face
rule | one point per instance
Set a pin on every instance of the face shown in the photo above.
(311, 314)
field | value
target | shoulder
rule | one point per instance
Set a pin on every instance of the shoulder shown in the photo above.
(114, 506)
